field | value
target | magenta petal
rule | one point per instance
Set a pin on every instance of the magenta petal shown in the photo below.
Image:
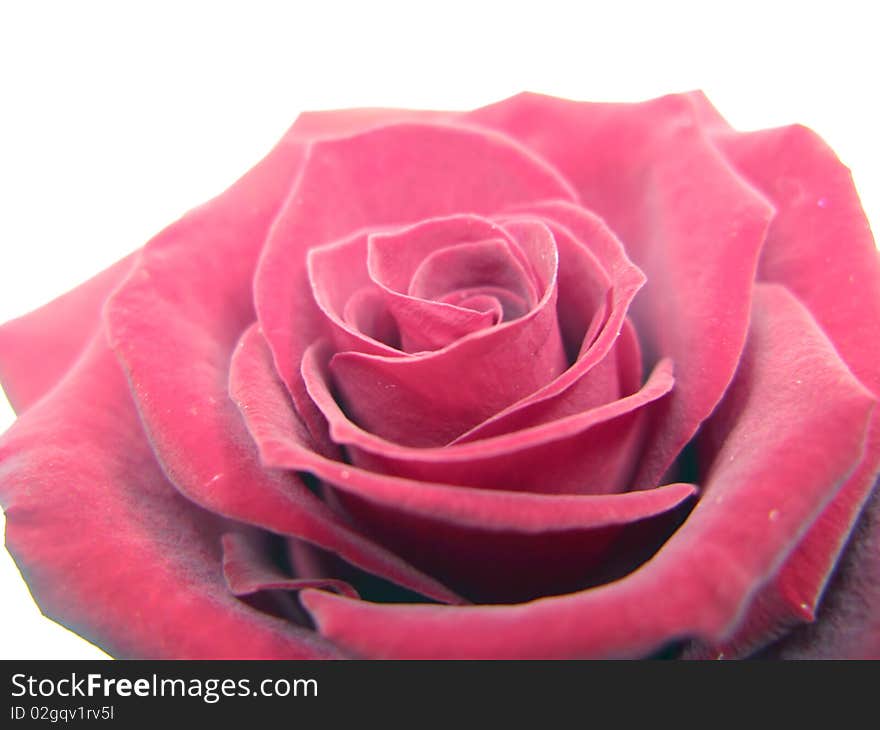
(426, 326)
(427, 271)
(396, 258)
(433, 524)
(109, 547)
(836, 273)
(340, 285)
(431, 400)
(369, 269)
(344, 122)
(264, 404)
(247, 570)
(688, 220)
(36, 350)
(278, 501)
(471, 266)
(584, 286)
(793, 596)
(617, 375)
(589, 452)
(174, 325)
(448, 391)
(491, 565)
(367, 313)
(575, 389)
(848, 625)
(819, 244)
(387, 176)
(703, 578)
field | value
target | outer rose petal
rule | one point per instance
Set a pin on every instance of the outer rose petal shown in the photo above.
(344, 122)
(775, 444)
(36, 350)
(688, 221)
(848, 624)
(247, 569)
(108, 546)
(174, 323)
(820, 246)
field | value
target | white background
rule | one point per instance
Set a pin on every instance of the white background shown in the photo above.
(115, 118)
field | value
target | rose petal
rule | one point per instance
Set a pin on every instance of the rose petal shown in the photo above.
(426, 271)
(397, 260)
(500, 566)
(311, 125)
(367, 313)
(174, 323)
(575, 389)
(688, 220)
(387, 176)
(343, 270)
(700, 582)
(793, 596)
(486, 264)
(247, 570)
(36, 350)
(430, 399)
(618, 374)
(819, 226)
(848, 625)
(584, 285)
(265, 406)
(434, 524)
(590, 452)
(427, 326)
(338, 277)
(108, 546)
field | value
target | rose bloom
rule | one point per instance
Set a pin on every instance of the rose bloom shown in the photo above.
(547, 379)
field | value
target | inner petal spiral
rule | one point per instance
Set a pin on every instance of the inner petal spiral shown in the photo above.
(462, 295)
(444, 279)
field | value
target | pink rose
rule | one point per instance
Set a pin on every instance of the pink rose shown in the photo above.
(546, 379)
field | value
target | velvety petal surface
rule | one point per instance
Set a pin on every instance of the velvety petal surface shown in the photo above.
(428, 272)
(248, 569)
(435, 525)
(36, 350)
(348, 276)
(346, 186)
(848, 619)
(590, 452)
(174, 324)
(109, 548)
(820, 246)
(687, 219)
(461, 488)
(699, 584)
(585, 383)
(265, 406)
(430, 399)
